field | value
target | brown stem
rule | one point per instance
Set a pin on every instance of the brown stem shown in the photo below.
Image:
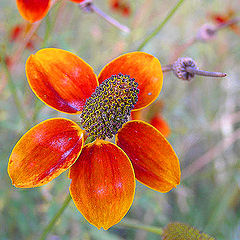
(205, 73)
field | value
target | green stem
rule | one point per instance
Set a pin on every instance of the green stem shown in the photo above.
(48, 29)
(161, 25)
(14, 94)
(55, 218)
(37, 107)
(156, 230)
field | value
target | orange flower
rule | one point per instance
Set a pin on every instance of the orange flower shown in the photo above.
(35, 10)
(102, 173)
(155, 118)
(222, 18)
(160, 124)
(121, 6)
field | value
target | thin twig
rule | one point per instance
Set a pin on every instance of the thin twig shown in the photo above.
(161, 25)
(131, 224)
(14, 93)
(205, 73)
(109, 19)
(167, 68)
(88, 6)
(55, 218)
(189, 69)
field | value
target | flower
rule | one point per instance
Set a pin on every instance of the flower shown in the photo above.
(223, 18)
(35, 10)
(153, 115)
(102, 173)
(18, 32)
(120, 6)
(160, 124)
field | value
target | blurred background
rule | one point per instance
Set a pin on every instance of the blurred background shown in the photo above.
(202, 116)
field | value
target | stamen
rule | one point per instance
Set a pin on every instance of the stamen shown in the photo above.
(110, 106)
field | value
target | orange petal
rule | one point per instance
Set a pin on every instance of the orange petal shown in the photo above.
(145, 68)
(103, 183)
(61, 79)
(161, 125)
(33, 10)
(137, 115)
(44, 152)
(154, 161)
(77, 1)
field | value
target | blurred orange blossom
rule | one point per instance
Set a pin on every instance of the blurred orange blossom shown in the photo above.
(35, 10)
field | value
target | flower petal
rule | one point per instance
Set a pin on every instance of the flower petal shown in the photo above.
(145, 68)
(161, 125)
(44, 152)
(77, 1)
(154, 161)
(33, 10)
(137, 115)
(103, 183)
(61, 79)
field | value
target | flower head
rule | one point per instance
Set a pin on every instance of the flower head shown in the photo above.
(35, 10)
(121, 6)
(102, 173)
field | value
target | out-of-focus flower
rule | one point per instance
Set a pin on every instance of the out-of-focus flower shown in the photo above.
(222, 18)
(18, 32)
(121, 6)
(153, 115)
(35, 10)
(102, 173)
(160, 124)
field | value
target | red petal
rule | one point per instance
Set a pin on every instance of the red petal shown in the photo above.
(61, 79)
(137, 115)
(78, 1)
(161, 125)
(145, 68)
(44, 152)
(154, 161)
(33, 10)
(103, 183)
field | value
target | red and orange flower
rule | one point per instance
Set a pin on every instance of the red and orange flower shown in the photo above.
(102, 173)
(35, 10)
(121, 6)
(223, 18)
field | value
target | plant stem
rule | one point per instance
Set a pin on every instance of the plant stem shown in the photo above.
(14, 94)
(55, 218)
(156, 230)
(205, 73)
(161, 25)
(109, 19)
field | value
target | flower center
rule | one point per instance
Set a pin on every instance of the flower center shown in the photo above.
(110, 106)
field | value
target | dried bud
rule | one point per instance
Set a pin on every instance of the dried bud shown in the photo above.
(86, 6)
(206, 32)
(179, 68)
